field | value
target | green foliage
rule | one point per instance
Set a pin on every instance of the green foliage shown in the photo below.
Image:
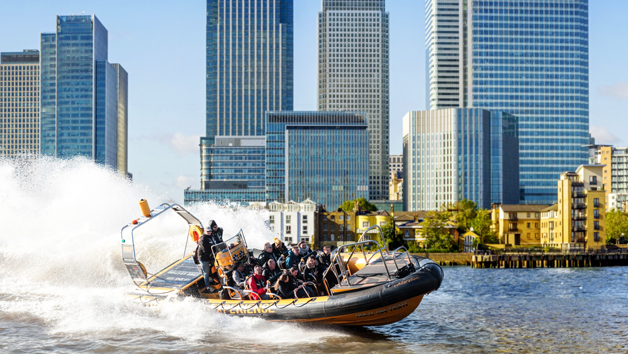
(349, 205)
(392, 235)
(482, 226)
(434, 231)
(414, 248)
(616, 225)
(466, 211)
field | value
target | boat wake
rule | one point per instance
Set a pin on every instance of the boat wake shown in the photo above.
(60, 266)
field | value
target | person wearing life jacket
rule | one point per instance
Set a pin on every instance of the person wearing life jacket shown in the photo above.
(294, 257)
(211, 237)
(256, 284)
(239, 276)
(297, 283)
(324, 259)
(279, 249)
(266, 255)
(271, 271)
(284, 287)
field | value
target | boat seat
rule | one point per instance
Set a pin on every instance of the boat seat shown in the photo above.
(367, 277)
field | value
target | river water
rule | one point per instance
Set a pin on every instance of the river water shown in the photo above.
(62, 285)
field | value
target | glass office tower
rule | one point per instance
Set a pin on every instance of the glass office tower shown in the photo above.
(79, 92)
(317, 155)
(527, 58)
(353, 68)
(19, 104)
(459, 153)
(249, 69)
(249, 64)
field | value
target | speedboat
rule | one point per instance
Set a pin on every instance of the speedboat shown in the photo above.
(367, 285)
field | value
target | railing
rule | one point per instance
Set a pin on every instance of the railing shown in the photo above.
(513, 217)
(579, 206)
(341, 269)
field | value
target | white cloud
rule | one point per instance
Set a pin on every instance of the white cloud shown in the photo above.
(619, 90)
(184, 181)
(185, 144)
(602, 135)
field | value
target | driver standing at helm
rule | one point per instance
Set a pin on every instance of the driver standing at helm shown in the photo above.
(211, 237)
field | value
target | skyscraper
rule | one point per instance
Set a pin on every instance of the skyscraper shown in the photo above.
(19, 103)
(79, 93)
(530, 59)
(316, 155)
(353, 74)
(249, 69)
(455, 154)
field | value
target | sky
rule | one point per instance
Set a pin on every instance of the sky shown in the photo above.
(161, 44)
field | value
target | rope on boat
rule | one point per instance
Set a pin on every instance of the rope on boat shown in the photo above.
(269, 306)
(234, 306)
(307, 302)
(222, 304)
(292, 303)
(250, 307)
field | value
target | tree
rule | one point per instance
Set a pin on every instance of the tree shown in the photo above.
(482, 226)
(435, 232)
(616, 225)
(349, 205)
(466, 211)
(392, 236)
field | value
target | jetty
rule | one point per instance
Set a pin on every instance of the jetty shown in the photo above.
(569, 259)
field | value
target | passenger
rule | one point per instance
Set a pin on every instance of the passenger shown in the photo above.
(266, 255)
(205, 255)
(294, 257)
(279, 249)
(284, 287)
(271, 271)
(324, 259)
(256, 284)
(304, 249)
(314, 274)
(297, 283)
(239, 277)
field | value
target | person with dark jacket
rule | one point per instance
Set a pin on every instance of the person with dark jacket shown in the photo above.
(271, 271)
(297, 283)
(239, 276)
(279, 249)
(266, 255)
(294, 257)
(284, 287)
(324, 259)
(211, 237)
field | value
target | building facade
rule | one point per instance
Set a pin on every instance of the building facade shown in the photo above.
(614, 175)
(80, 112)
(19, 103)
(353, 74)
(455, 154)
(530, 59)
(578, 220)
(236, 165)
(294, 222)
(316, 155)
(517, 224)
(249, 68)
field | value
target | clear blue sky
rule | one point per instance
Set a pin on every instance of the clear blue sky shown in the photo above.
(162, 46)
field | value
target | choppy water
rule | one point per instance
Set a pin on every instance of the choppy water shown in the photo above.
(61, 286)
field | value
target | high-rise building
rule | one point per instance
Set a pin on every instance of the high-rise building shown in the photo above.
(80, 109)
(455, 154)
(316, 155)
(395, 164)
(19, 103)
(123, 121)
(614, 178)
(249, 67)
(353, 66)
(527, 58)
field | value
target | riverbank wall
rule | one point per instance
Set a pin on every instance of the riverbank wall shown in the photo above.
(530, 260)
(448, 258)
(550, 260)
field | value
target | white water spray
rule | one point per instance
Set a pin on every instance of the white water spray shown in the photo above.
(60, 260)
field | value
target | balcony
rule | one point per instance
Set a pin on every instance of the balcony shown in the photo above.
(578, 206)
(513, 229)
(597, 216)
(579, 216)
(513, 217)
(579, 228)
(579, 194)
